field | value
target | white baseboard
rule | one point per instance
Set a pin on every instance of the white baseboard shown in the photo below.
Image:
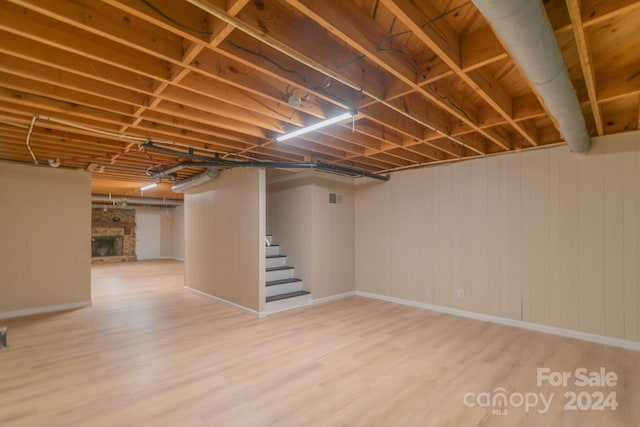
(224, 301)
(600, 339)
(172, 257)
(279, 306)
(312, 302)
(41, 310)
(332, 297)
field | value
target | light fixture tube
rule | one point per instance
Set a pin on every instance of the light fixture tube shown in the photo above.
(149, 186)
(316, 126)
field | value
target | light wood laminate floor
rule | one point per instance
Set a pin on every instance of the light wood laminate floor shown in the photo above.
(149, 353)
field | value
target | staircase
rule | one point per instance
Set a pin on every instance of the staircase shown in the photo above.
(284, 290)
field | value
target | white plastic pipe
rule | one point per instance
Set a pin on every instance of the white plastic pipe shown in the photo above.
(525, 30)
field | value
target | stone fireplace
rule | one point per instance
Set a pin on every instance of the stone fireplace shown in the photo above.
(113, 235)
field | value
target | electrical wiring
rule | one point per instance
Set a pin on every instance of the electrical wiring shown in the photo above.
(452, 103)
(448, 12)
(266, 58)
(427, 24)
(413, 61)
(173, 21)
(325, 84)
(351, 61)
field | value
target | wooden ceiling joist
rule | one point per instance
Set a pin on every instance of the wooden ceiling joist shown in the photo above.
(430, 81)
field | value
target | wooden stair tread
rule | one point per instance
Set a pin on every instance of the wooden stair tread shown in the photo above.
(287, 295)
(282, 281)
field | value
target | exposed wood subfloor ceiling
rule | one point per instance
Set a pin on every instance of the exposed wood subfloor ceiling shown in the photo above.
(429, 80)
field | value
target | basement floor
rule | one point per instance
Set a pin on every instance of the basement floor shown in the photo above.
(149, 353)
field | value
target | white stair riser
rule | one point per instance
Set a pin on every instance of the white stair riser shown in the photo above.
(272, 250)
(276, 262)
(269, 239)
(279, 275)
(283, 288)
(287, 303)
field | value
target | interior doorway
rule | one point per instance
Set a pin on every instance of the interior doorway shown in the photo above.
(147, 236)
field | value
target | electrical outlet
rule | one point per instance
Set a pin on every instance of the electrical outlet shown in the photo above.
(460, 293)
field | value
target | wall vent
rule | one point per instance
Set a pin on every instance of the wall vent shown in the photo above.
(335, 198)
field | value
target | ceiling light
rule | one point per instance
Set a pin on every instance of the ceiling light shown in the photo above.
(149, 186)
(316, 126)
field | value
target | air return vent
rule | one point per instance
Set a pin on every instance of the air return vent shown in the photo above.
(335, 199)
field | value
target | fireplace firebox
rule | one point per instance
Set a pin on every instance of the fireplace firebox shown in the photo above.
(106, 246)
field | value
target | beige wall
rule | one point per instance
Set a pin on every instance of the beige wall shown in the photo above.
(177, 233)
(317, 237)
(333, 236)
(224, 235)
(45, 229)
(543, 236)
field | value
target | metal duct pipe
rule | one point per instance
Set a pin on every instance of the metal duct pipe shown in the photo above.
(222, 163)
(207, 175)
(121, 201)
(525, 30)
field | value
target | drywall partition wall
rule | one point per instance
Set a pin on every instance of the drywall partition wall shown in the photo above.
(317, 236)
(333, 235)
(544, 236)
(176, 223)
(45, 250)
(224, 237)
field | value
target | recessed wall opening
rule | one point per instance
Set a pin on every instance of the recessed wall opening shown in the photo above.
(104, 246)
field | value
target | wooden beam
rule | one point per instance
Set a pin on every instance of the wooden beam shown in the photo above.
(330, 141)
(480, 48)
(347, 22)
(586, 61)
(49, 56)
(190, 113)
(370, 44)
(68, 80)
(596, 11)
(33, 26)
(102, 20)
(593, 13)
(413, 15)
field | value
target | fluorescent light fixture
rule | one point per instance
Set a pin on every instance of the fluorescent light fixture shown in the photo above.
(149, 186)
(316, 126)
